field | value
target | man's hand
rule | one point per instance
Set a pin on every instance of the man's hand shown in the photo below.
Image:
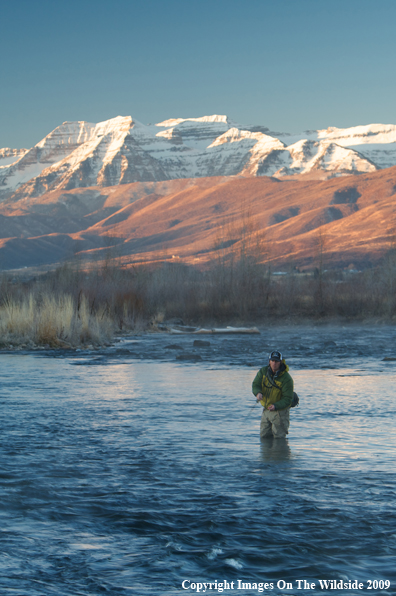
(259, 396)
(271, 408)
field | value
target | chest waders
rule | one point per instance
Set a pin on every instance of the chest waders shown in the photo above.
(274, 385)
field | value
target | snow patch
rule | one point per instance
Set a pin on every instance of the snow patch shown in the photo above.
(234, 135)
(176, 121)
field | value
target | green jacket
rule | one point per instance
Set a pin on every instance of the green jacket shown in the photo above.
(281, 394)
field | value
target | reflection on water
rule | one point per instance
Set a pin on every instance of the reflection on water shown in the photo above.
(275, 449)
(131, 476)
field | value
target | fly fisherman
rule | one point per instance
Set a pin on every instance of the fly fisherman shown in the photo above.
(273, 388)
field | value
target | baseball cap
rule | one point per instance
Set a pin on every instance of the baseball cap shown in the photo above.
(276, 356)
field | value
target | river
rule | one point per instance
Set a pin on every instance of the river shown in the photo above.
(138, 469)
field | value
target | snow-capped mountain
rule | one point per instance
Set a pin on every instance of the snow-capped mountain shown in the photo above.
(122, 150)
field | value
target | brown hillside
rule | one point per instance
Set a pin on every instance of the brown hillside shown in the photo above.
(343, 220)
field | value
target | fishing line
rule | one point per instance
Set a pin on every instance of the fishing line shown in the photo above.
(244, 418)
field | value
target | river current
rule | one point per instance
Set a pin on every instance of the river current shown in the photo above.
(138, 469)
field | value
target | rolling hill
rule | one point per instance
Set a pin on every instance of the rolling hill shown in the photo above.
(346, 221)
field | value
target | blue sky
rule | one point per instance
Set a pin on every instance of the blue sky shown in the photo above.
(290, 65)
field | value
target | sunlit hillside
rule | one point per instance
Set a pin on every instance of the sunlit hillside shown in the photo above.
(348, 221)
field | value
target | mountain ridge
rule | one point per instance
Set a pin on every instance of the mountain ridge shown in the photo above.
(122, 150)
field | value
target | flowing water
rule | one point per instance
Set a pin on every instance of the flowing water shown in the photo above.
(139, 470)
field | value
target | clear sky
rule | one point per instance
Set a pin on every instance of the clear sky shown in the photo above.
(291, 65)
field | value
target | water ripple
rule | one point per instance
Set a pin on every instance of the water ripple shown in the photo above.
(133, 475)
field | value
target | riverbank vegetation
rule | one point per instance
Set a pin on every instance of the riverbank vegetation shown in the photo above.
(76, 306)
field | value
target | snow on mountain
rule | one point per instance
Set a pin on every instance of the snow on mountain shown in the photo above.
(259, 154)
(234, 135)
(375, 142)
(268, 156)
(360, 135)
(123, 150)
(198, 133)
(383, 155)
(9, 156)
(53, 148)
(308, 156)
(229, 153)
(213, 118)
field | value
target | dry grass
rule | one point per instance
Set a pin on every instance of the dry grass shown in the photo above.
(72, 306)
(54, 321)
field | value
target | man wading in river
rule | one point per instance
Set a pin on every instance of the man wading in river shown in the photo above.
(273, 388)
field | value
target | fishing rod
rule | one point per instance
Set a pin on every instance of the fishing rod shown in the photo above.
(249, 413)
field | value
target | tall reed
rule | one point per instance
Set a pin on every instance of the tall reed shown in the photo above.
(52, 320)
